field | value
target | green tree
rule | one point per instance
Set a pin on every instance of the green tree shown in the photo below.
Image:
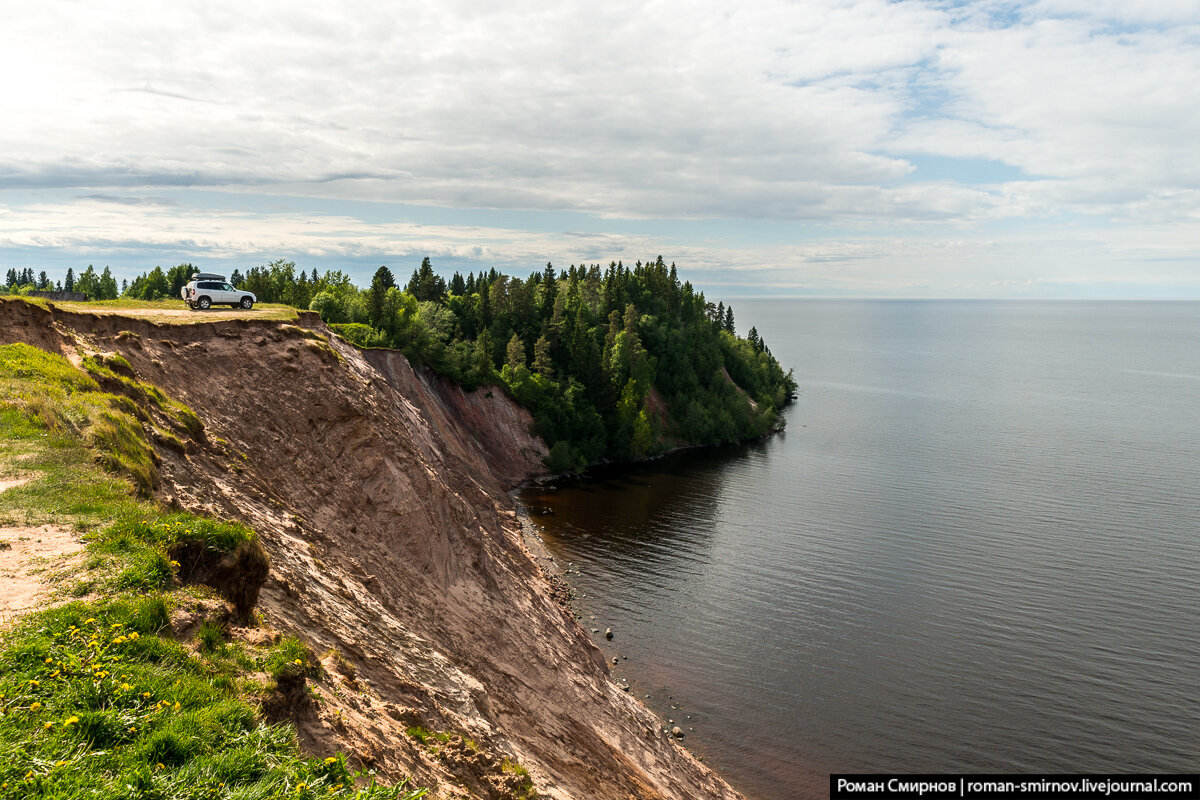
(483, 364)
(88, 281)
(178, 276)
(380, 284)
(425, 284)
(107, 289)
(515, 353)
(543, 364)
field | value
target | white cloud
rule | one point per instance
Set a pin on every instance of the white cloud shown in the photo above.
(803, 111)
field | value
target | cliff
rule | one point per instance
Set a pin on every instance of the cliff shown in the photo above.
(380, 496)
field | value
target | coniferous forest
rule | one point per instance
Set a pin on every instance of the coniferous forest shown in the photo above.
(614, 363)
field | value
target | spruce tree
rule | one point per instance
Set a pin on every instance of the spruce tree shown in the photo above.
(376, 295)
(515, 353)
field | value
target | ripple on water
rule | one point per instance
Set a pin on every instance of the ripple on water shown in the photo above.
(972, 550)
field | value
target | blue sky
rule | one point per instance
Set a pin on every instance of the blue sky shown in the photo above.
(814, 148)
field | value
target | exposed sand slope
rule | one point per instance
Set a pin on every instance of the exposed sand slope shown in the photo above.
(380, 495)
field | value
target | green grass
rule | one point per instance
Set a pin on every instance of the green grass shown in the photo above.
(510, 767)
(94, 704)
(94, 701)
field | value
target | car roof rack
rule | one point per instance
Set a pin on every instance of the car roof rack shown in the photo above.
(207, 276)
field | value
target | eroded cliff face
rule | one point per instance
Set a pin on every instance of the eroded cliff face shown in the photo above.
(380, 495)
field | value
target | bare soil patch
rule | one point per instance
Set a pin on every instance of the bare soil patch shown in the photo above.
(30, 561)
(12, 483)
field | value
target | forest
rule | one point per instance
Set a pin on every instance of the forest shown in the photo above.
(616, 363)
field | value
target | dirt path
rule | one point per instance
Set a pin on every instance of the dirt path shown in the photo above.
(180, 314)
(30, 561)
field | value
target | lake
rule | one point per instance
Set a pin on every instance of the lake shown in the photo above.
(976, 547)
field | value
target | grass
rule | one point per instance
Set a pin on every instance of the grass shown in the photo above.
(95, 702)
(510, 767)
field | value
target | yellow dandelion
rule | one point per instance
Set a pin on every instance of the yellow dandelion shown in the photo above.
(48, 725)
(298, 661)
(34, 706)
(70, 720)
(34, 684)
(331, 760)
(48, 661)
(135, 635)
(89, 620)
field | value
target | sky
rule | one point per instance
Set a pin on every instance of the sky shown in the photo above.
(828, 148)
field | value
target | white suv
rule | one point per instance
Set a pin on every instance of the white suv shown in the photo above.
(207, 289)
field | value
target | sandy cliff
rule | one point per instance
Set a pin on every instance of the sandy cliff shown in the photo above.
(380, 494)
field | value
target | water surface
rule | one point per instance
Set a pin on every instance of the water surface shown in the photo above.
(975, 548)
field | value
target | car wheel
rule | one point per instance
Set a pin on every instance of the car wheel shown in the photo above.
(204, 303)
(247, 303)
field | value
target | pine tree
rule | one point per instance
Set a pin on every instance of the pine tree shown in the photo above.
(729, 320)
(376, 295)
(106, 287)
(69, 283)
(425, 284)
(543, 364)
(483, 357)
(515, 353)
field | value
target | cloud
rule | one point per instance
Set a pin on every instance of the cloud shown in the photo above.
(124, 200)
(813, 113)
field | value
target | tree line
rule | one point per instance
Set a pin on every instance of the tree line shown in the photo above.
(102, 286)
(613, 363)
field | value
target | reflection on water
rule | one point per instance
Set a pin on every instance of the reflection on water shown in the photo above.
(973, 549)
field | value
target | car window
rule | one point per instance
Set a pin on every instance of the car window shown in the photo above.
(227, 287)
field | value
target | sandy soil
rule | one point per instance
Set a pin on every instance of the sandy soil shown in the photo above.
(29, 564)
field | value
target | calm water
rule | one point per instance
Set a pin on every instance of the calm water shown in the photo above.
(975, 548)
